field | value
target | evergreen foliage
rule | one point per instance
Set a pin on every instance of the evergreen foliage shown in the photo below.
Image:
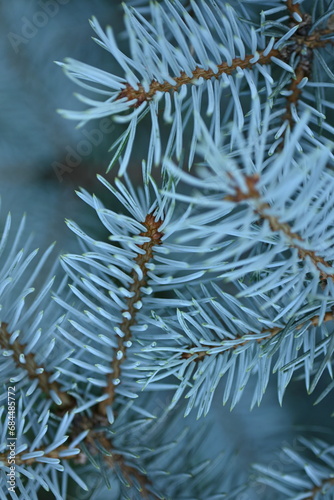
(218, 268)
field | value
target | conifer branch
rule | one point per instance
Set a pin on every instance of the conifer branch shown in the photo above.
(141, 95)
(301, 40)
(112, 460)
(310, 473)
(116, 460)
(27, 362)
(186, 61)
(303, 45)
(276, 225)
(139, 277)
(267, 333)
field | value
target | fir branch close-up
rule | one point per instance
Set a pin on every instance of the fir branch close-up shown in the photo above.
(177, 342)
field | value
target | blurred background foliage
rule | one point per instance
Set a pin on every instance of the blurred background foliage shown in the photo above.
(44, 158)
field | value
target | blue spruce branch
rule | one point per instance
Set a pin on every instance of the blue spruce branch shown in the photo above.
(223, 272)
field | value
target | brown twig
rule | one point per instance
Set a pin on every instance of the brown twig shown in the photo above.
(129, 314)
(33, 369)
(294, 96)
(141, 95)
(30, 461)
(293, 8)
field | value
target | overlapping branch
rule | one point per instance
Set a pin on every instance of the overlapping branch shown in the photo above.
(28, 363)
(112, 460)
(97, 443)
(97, 440)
